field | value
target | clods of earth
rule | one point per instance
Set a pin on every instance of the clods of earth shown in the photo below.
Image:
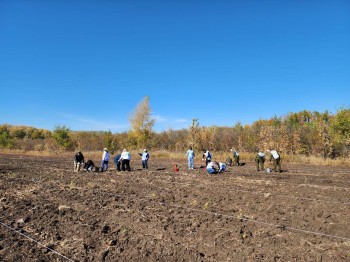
(50, 213)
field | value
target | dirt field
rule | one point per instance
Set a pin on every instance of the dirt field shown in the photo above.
(49, 213)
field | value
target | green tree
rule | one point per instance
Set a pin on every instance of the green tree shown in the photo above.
(340, 129)
(141, 124)
(61, 134)
(6, 140)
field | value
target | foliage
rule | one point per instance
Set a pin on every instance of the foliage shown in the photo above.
(6, 140)
(302, 133)
(340, 131)
(141, 124)
(194, 138)
(61, 134)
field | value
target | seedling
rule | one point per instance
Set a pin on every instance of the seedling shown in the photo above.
(123, 231)
(194, 202)
(207, 204)
(12, 175)
(153, 195)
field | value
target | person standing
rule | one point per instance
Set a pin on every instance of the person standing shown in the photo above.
(125, 158)
(144, 158)
(207, 156)
(117, 161)
(260, 160)
(276, 160)
(190, 156)
(105, 159)
(235, 157)
(78, 161)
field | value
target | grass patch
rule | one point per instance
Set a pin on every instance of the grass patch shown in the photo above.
(219, 156)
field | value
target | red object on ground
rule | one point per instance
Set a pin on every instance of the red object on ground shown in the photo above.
(176, 168)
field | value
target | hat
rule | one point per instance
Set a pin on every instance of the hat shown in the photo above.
(124, 150)
(145, 150)
(105, 149)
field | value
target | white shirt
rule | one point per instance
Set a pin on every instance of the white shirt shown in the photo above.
(144, 156)
(105, 156)
(211, 165)
(125, 155)
(274, 154)
(207, 154)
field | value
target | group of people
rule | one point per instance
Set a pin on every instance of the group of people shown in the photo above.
(274, 156)
(122, 161)
(213, 167)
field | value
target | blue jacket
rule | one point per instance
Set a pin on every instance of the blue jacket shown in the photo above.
(116, 158)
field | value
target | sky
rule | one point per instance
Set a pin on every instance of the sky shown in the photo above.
(87, 64)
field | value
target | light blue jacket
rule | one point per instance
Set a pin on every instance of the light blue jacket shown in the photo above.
(190, 153)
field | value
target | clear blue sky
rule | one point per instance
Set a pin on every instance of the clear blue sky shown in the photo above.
(86, 64)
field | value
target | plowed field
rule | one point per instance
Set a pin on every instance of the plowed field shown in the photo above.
(50, 213)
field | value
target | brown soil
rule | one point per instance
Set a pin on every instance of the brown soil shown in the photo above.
(301, 214)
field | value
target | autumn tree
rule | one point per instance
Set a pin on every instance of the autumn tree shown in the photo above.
(17, 132)
(141, 124)
(109, 141)
(304, 132)
(340, 130)
(194, 136)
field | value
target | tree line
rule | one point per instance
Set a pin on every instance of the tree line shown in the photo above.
(302, 133)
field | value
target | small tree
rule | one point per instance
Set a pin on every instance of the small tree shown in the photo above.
(6, 140)
(141, 124)
(62, 137)
(194, 139)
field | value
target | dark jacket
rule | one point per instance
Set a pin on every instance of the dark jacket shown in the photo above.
(117, 158)
(89, 164)
(79, 157)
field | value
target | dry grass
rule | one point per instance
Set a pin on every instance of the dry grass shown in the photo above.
(314, 160)
(217, 156)
(27, 153)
